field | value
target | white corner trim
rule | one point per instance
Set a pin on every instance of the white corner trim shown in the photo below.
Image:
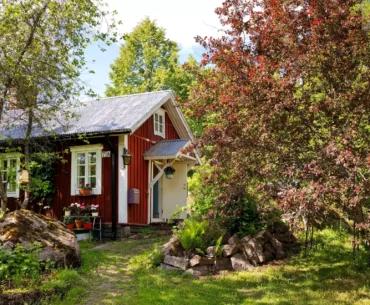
(122, 181)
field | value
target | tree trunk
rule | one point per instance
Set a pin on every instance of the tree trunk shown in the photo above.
(27, 152)
(3, 196)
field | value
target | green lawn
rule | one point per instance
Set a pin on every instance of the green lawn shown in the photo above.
(116, 273)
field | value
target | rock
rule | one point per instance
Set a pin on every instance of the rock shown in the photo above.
(223, 263)
(278, 248)
(268, 252)
(201, 260)
(253, 250)
(176, 261)
(168, 267)
(230, 249)
(234, 240)
(172, 247)
(25, 227)
(199, 271)
(240, 263)
(211, 251)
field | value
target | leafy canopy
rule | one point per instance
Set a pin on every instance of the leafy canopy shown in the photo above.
(286, 107)
(147, 61)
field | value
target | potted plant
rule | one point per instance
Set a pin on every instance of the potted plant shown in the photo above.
(67, 211)
(169, 172)
(94, 210)
(85, 190)
(70, 223)
(79, 223)
(87, 223)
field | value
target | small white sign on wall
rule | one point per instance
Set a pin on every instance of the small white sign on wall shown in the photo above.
(105, 154)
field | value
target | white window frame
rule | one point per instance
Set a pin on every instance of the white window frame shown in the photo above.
(156, 125)
(75, 150)
(12, 156)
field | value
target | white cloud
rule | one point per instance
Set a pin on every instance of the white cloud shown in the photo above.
(182, 20)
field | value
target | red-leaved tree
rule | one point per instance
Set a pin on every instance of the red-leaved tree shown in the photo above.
(287, 107)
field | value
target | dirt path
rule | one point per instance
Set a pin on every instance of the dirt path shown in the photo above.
(106, 281)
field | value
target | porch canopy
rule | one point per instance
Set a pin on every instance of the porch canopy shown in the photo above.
(168, 149)
(165, 153)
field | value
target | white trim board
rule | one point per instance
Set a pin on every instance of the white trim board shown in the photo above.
(122, 181)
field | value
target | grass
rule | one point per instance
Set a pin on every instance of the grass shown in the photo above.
(118, 273)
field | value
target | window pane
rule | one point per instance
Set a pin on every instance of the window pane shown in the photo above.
(81, 158)
(13, 163)
(12, 186)
(160, 119)
(4, 176)
(161, 128)
(92, 157)
(81, 182)
(93, 182)
(92, 170)
(81, 171)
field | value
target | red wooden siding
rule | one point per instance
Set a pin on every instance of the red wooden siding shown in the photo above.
(138, 143)
(63, 196)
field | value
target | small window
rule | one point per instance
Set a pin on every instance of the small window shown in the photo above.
(9, 170)
(159, 123)
(86, 168)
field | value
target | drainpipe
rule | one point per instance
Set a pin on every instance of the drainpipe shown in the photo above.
(114, 172)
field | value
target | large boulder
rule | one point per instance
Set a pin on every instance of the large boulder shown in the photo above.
(24, 227)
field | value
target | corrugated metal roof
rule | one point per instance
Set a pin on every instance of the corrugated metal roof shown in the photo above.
(165, 149)
(114, 114)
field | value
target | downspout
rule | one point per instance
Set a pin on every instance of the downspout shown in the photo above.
(114, 171)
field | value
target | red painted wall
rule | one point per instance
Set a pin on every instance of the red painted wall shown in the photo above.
(138, 143)
(63, 196)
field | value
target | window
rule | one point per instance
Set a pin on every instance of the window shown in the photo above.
(86, 168)
(9, 169)
(159, 123)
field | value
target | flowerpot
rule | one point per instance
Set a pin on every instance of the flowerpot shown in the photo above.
(94, 214)
(70, 226)
(67, 213)
(87, 225)
(79, 223)
(85, 192)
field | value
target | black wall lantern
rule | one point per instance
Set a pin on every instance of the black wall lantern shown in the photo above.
(126, 156)
(169, 172)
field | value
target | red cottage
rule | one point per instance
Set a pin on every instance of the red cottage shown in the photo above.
(146, 130)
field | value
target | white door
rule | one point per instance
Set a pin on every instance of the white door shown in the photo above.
(175, 192)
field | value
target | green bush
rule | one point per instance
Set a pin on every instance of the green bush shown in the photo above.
(242, 217)
(148, 259)
(202, 194)
(22, 264)
(192, 234)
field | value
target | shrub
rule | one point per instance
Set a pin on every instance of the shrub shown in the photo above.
(242, 217)
(192, 234)
(202, 194)
(148, 259)
(22, 264)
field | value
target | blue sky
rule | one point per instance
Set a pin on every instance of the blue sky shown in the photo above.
(182, 20)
